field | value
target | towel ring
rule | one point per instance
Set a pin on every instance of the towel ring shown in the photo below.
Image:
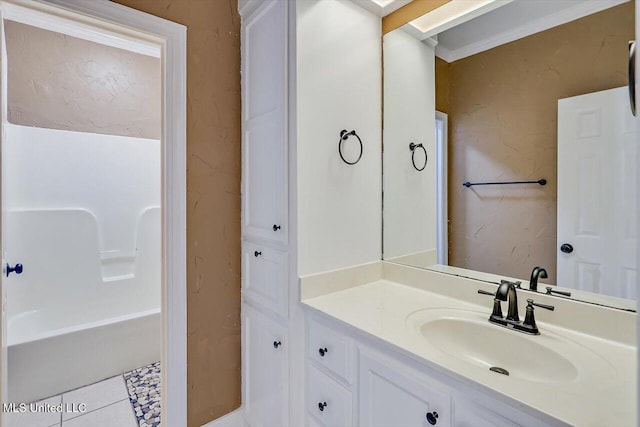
(413, 147)
(344, 135)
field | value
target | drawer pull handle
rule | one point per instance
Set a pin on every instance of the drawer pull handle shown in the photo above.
(257, 253)
(322, 405)
(277, 344)
(323, 351)
(276, 227)
(432, 417)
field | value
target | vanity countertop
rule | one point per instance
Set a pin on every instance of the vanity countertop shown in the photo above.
(595, 376)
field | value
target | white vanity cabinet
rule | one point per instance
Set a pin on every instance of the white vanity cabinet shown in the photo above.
(370, 384)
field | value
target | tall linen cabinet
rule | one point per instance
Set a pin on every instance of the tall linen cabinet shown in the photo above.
(309, 70)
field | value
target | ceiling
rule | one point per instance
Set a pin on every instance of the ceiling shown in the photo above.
(509, 22)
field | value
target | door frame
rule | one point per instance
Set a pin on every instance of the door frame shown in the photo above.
(172, 37)
(442, 216)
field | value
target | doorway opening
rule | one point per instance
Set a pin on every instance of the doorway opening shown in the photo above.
(92, 150)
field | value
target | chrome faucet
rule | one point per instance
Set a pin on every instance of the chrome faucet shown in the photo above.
(536, 273)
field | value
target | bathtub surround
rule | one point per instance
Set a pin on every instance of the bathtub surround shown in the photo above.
(123, 197)
(502, 123)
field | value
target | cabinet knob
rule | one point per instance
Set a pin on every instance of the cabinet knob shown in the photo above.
(432, 417)
(276, 227)
(17, 269)
(277, 344)
(323, 351)
(257, 253)
(322, 405)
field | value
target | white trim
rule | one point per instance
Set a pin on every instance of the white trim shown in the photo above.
(110, 16)
(246, 7)
(232, 419)
(68, 26)
(544, 23)
(442, 221)
(374, 7)
(450, 16)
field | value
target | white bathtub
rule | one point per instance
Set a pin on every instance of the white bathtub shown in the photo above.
(51, 362)
(74, 317)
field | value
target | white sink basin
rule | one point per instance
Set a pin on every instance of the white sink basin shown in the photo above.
(468, 337)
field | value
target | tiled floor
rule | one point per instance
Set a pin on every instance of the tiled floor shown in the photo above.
(107, 405)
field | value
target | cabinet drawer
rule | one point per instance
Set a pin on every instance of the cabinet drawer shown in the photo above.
(331, 350)
(327, 401)
(265, 277)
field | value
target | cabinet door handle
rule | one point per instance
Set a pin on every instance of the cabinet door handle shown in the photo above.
(432, 417)
(323, 351)
(277, 344)
(257, 253)
(15, 269)
(322, 405)
(276, 227)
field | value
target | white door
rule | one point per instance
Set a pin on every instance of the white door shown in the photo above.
(597, 193)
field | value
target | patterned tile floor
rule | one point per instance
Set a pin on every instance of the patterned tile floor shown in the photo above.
(143, 385)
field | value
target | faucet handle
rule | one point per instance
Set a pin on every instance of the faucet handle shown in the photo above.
(529, 323)
(497, 307)
(532, 303)
(551, 291)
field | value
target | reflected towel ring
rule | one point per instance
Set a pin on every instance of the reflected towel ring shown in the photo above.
(344, 135)
(413, 147)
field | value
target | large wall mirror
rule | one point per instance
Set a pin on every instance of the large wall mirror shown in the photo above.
(509, 144)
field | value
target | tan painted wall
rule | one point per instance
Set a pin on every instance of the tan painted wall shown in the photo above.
(442, 85)
(62, 82)
(213, 200)
(502, 126)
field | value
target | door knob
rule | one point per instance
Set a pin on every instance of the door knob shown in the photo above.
(566, 248)
(17, 269)
(276, 227)
(432, 417)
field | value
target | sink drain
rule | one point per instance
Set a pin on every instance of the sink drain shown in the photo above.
(499, 370)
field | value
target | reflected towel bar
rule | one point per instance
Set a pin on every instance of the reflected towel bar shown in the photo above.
(540, 181)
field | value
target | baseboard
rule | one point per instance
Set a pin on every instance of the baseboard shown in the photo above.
(232, 419)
